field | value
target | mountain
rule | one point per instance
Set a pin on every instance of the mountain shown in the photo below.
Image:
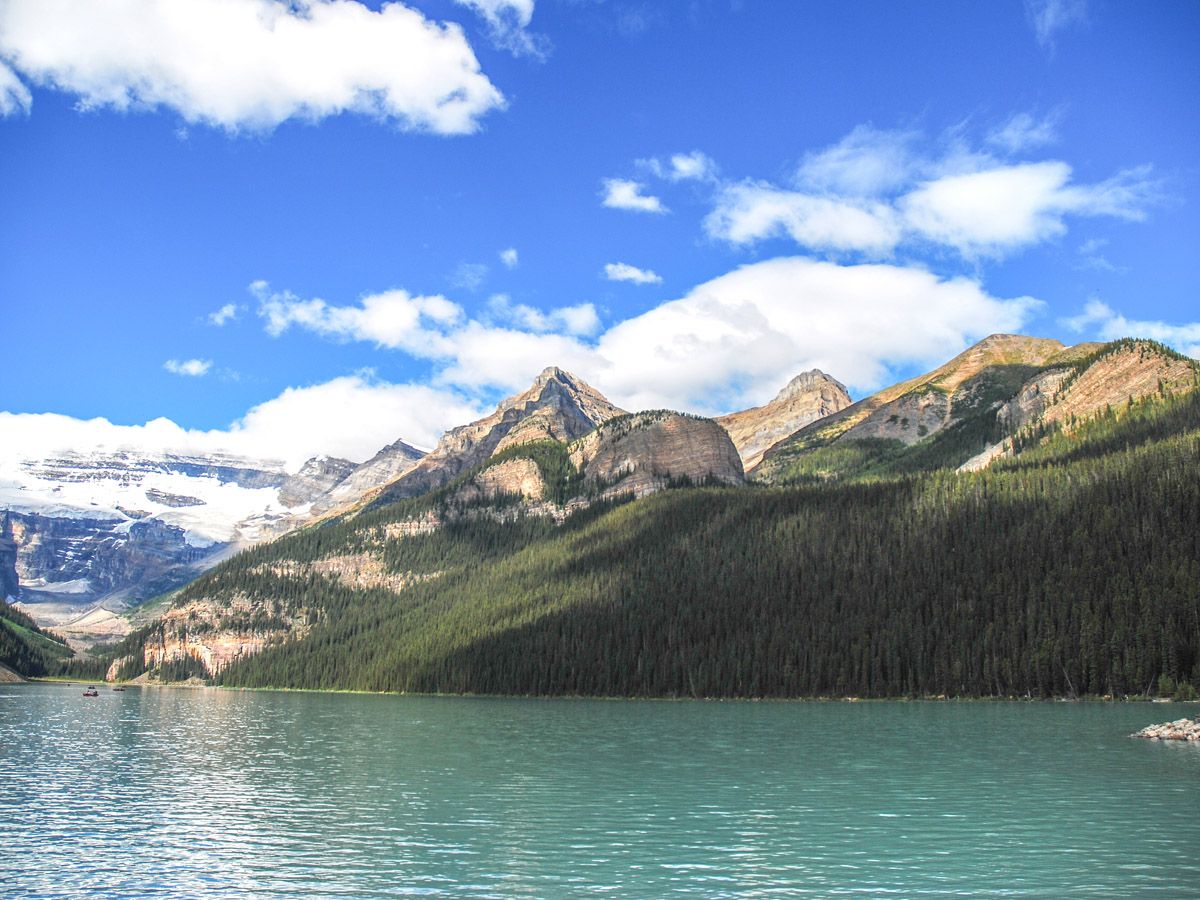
(317, 477)
(867, 560)
(807, 397)
(125, 525)
(558, 406)
(970, 410)
(384, 467)
(1066, 568)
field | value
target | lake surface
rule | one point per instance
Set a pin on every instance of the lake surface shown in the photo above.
(210, 793)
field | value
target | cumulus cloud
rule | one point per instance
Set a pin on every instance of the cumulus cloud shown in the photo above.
(580, 320)
(510, 258)
(734, 341)
(729, 343)
(622, 194)
(193, 368)
(1101, 320)
(753, 210)
(620, 271)
(250, 64)
(1049, 17)
(874, 191)
(226, 313)
(394, 319)
(352, 417)
(997, 210)
(865, 163)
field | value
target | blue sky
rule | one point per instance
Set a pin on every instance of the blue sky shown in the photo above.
(291, 232)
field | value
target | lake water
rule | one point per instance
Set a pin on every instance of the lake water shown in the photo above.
(209, 793)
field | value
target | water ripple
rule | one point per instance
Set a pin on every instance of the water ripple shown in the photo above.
(222, 794)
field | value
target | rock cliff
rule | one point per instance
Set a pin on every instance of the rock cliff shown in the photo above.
(10, 582)
(808, 397)
(643, 452)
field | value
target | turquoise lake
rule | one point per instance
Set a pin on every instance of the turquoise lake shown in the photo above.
(209, 793)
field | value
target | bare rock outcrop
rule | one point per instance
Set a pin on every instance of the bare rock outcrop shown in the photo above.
(384, 467)
(519, 477)
(558, 406)
(643, 452)
(1179, 730)
(316, 477)
(809, 396)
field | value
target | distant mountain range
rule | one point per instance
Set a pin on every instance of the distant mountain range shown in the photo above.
(418, 542)
(118, 528)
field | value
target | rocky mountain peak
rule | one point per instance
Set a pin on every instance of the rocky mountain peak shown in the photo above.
(809, 396)
(557, 406)
(813, 379)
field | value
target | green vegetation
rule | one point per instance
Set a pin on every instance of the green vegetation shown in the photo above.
(27, 649)
(1073, 569)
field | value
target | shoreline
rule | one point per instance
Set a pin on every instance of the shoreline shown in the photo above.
(933, 698)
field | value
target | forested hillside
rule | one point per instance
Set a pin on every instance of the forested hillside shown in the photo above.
(1072, 568)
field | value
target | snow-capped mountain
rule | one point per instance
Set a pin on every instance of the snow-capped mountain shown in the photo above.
(124, 525)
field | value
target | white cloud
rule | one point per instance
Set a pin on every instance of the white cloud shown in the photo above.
(729, 343)
(734, 341)
(994, 211)
(1049, 17)
(251, 64)
(509, 257)
(620, 271)
(694, 166)
(865, 163)
(622, 194)
(751, 211)
(469, 276)
(352, 417)
(394, 319)
(1023, 132)
(1107, 324)
(577, 320)
(14, 96)
(875, 191)
(508, 22)
(226, 313)
(194, 368)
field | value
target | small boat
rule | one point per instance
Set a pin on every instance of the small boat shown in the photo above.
(91, 692)
(118, 689)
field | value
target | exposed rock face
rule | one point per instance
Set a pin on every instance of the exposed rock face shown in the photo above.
(316, 477)
(1129, 372)
(641, 453)
(511, 478)
(809, 396)
(917, 408)
(558, 405)
(1064, 393)
(921, 407)
(10, 583)
(1179, 730)
(217, 633)
(121, 526)
(383, 468)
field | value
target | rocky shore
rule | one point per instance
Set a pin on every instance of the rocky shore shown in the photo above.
(1179, 730)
